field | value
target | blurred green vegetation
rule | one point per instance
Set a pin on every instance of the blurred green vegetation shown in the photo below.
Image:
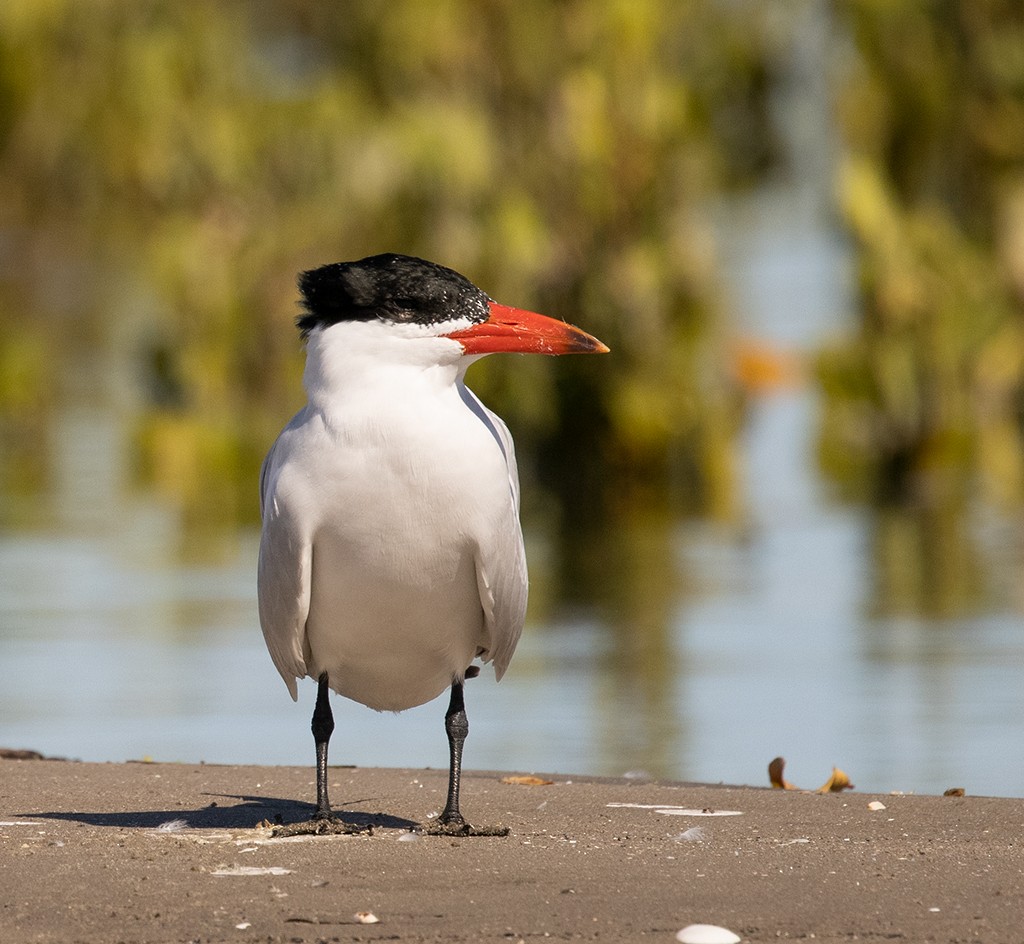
(925, 401)
(168, 168)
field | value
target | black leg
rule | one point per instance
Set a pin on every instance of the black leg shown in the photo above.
(323, 821)
(323, 727)
(456, 726)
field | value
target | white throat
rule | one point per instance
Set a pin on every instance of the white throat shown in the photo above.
(350, 358)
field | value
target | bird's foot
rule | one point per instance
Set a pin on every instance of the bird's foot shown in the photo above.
(322, 824)
(457, 826)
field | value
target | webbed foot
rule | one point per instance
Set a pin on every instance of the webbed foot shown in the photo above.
(457, 826)
(321, 824)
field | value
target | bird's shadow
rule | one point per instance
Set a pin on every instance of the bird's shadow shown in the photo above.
(246, 814)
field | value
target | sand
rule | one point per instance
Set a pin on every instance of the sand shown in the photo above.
(142, 852)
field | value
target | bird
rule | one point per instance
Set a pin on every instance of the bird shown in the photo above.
(391, 552)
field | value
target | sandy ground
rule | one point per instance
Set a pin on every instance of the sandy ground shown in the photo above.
(167, 852)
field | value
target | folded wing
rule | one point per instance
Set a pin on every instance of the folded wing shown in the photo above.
(501, 558)
(285, 565)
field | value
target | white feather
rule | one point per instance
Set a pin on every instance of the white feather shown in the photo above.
(391, 552)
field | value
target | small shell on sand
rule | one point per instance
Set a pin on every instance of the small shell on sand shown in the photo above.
(706, 934)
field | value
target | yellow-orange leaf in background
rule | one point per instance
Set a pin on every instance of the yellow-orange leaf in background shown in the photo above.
(527, 781)
(759, 368)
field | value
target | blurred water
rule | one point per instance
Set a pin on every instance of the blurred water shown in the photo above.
(113, 649)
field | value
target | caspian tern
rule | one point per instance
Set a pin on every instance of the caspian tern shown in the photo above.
(391, 554)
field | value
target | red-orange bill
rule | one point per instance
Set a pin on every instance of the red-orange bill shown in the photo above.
(514, 330)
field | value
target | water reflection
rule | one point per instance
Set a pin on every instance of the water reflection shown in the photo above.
(927, 562)
(630, 573)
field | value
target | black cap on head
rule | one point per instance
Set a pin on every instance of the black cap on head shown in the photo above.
(388, 287)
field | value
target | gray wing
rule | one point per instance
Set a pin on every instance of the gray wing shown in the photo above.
(501, 562)
(285, 565)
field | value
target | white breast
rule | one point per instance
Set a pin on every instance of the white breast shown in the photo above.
(401, 485)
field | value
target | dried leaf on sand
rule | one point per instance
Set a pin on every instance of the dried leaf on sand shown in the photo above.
(838, 782)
